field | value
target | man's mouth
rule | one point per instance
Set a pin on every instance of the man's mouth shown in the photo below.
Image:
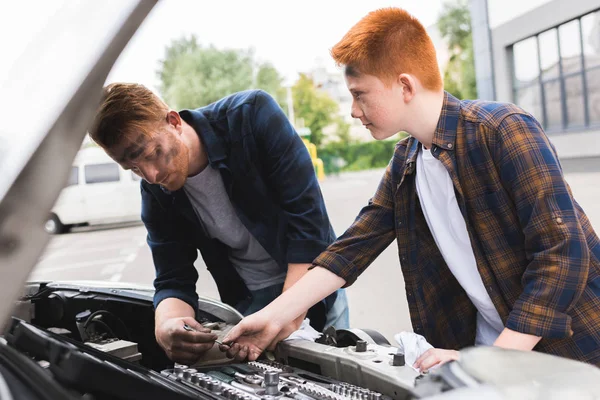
(164, 180)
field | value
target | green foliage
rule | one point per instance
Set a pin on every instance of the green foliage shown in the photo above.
(316, 108)
(357, 156)
(193, 76)
(454, 25)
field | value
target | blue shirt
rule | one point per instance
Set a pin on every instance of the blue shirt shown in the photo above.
(269, 178)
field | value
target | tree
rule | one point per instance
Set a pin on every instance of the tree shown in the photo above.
(454, 25)
(193, 76)
(316, 107)
(268, 79)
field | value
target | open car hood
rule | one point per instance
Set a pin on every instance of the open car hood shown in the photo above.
(49, 99)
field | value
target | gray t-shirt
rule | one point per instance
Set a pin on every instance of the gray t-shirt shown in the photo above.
(209, 199)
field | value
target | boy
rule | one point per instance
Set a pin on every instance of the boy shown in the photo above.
(493, 247)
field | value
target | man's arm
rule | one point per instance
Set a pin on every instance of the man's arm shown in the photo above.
(172, 252)
(175, 298)
(559, 256)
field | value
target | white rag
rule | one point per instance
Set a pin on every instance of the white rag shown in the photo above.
(305, 332)
(412, 345)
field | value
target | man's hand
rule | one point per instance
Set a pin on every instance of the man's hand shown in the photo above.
(433, 357)
(181, 345)
(253, 335)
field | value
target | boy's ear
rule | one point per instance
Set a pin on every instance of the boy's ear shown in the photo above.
(408, 86)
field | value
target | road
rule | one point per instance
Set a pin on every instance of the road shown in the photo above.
(377, 299)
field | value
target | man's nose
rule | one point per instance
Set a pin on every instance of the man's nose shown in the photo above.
(149, 172)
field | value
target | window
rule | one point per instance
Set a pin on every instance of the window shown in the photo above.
(557, 74)
(527, 89)
(73, 177)
(590, 30)
(99, 173)
(570, 47)
(593, 87)
(526, 62)
(529, 99)
(548, 45)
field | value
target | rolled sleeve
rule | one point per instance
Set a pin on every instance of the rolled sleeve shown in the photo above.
(370, 234)
(304, 250)
(557, 272)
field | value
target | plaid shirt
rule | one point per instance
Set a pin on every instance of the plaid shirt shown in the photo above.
(536, 251)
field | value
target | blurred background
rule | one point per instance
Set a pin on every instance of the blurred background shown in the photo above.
(543, 55)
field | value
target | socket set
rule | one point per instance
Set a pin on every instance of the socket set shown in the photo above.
(265, 380)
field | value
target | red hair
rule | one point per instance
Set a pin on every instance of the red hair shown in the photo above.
(126, 110)
(389, 42)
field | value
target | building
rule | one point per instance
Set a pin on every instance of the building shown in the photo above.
(544, 55)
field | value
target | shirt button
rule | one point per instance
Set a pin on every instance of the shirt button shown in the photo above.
(399, 223)
(559, 220)
(449, 145)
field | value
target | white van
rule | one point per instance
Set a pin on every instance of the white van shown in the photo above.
(98, 191)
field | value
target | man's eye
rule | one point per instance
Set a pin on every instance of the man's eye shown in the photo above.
(153, 155)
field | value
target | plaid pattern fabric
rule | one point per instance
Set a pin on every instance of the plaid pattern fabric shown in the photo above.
(536, 251)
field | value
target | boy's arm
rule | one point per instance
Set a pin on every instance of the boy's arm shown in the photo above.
(510, 339)
(342, 262)
(554, 239)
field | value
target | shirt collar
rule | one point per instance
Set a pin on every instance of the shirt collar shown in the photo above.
(214, 144)
(445, 132)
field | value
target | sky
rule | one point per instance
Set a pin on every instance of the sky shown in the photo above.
(293, 36)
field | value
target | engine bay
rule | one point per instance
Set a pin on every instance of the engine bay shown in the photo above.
(101, 343)
(71, 341)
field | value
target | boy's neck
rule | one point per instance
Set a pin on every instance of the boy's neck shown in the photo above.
(427, 113)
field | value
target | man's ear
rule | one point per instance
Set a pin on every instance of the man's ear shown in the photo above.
(408, 85)
(173, 118)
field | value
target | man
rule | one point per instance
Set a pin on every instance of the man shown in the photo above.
(494, 249)
(233, 180)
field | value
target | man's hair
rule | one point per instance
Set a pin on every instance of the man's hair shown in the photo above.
(386, 43)
(126, 109)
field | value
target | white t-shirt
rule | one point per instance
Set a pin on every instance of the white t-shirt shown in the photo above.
(447, 225)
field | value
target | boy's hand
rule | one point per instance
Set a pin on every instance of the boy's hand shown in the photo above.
(433, 357)
(253, 335)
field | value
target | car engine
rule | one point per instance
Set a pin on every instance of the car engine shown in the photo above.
(98, 343)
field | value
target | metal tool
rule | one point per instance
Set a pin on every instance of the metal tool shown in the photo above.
(190, 329)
